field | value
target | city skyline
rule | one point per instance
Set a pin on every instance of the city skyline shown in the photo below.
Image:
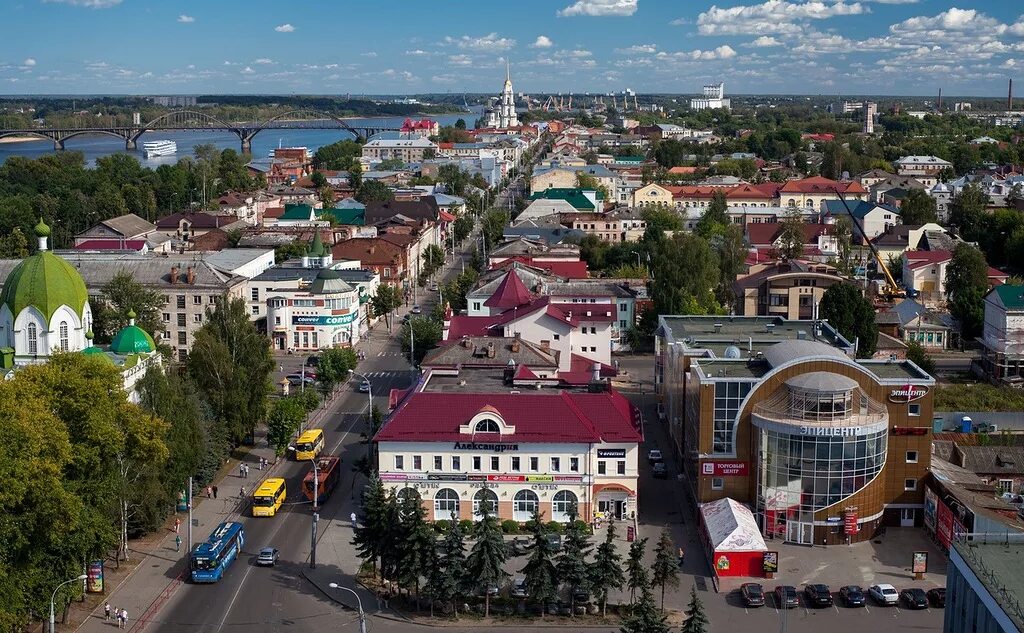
(897, 47)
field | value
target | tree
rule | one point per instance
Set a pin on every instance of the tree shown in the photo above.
(659, 221)
(454, 178)
(338, 156)
(590, 183)
(14, 245)
(732, 253)
(493, 225)
(334, 365)
(606, 571)
(355, 176)
(386, 299)
(697, 620)
(460, 124)
(420, 335)
(967, 212)
(685, 273)
(665, 571)
(463, 227)
(449, 574)
(636, 570)
(843, 232)
(123, 294)
(418, 545)
(540, 572)
(572, 560)
(374, 191)
(920, 357)
(487, 556)
(319, 180)
(284, 419)
(433, 259)
(715, 218)
(643, 616)
(368, 535)
(231, 363)
(966, 284)
(391, 164)
(918, 208)
(848, 311)
(791, 235)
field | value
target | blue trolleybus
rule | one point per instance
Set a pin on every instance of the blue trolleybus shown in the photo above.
(211, 559)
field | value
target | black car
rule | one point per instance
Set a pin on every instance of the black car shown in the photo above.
(914, 598)
(785, 597)
(937, 597)
(313, 361)
(753, 594)
(659, 470)
(817, 595)
(853, 596)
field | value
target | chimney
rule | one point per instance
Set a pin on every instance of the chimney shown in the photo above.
(769, 328)
(718, 328)
(515, 345)
(468, 344)
(597, 372)
(491, 352)
(191, 275)
(1009, 96)
(174, 274)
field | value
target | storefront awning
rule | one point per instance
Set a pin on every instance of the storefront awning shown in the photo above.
(731, 527)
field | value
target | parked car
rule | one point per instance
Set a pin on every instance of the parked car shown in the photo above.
(661, 412)
(433, 286)
(654, 455)
(753, 594)
(786, 598)
(364, 387)
(516, 547)
(554, 542)
(416, 309)
(914, 598)
(660, 470)
(580, 595)
(884, 594)
(852, 595)
(519, 589)
(298, 379)
(267, 557)
(937, 597)
(817, 595)
(491, 590)
(313, 361)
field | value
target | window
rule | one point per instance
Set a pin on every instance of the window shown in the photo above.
(556, 464)
(717, 483)
(728, 396)
(197, 300)
(33, 339)
(446, 505)
(534, 464)
(181, 319)
(495, 463)
(387, 272)
(601, 468)
(399, 462)
(198, 318)
(620, 467)
(487, 426)
(255, 294)
(212, 299)
(438, 465)
(524, 504)
(166, 317)
(484, 498)
(911, 457)
(182, 338)
(515, 464)
(558, 336)
(63, 331)
(456, 463)
(476, 305)
(476, 462)
(181, 302)
(910, 484)
(417, 462)
(277, 320)
(166, 335)
(1005, 485)
(914, 409)
(256, 310)
(574, 464)
(563, 505)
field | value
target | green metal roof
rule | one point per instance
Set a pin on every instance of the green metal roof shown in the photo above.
(132, 340)
(45, 282)
(353, 217)
(1011, 296)
(574, 197)
(316, 249)
(297, 212)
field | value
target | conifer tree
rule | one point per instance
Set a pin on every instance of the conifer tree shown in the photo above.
(572, 562)
(697, 620)
(665, 571)
(487, 557)
(368, 533)
(417, 547)
(644, 616)
(606, 572)
(636, 572)
(540, 571)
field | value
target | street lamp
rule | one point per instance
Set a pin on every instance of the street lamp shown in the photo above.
(369, 392)
(316, 515)
(362, 614)
(54, 595)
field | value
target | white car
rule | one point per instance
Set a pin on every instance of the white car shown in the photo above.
(654, 456)
(884, 594)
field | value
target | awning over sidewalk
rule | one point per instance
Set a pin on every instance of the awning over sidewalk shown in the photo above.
(731, 527)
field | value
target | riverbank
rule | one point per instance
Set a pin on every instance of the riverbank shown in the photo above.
(20, 139)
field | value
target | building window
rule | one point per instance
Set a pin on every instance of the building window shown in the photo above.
(182, 338)
(438, 464)
(534, 464)
(910, 484)
(33, 339)
(456, 463)
(728, 396)
(515, 464)
(911, 457)
(256, 310)
(524, 504)
(718, 483)
(181, 319)
(1005, 485)
(166, 335)
(476, 462)
(914, 409)
(620, 467)
(564, 505)
(198, 318)
(484, 498)
(574, 464)
(399, 462)
(277, 320)
(255, 294)
(417, 462)
(446, 505)
(197, 300)
(558, 336)
(63, 331)
(556, 464)
(601, 468)
(181, 302)
(487, 426)
(476, 305)
(495, 463)
(166, 317)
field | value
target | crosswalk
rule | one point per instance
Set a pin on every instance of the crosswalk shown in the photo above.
(391, 355)
(387, 374)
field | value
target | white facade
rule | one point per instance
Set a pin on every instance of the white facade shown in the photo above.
(504, 115)
(713, 97)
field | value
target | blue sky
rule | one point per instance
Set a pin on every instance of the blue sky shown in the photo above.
(967, 47)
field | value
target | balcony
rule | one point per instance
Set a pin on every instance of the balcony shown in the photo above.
(787, 411)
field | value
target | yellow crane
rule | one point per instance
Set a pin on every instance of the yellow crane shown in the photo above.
(893, 290)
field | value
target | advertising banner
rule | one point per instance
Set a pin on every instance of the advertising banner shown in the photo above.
(770, 564)
(920, 563)
(944, 525)
(611, 453)
(930, 502)
(324, 319)
(94, 582)
(850, 522)
(724, 468)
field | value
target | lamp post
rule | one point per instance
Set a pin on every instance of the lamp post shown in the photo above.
(53, 596)
(362, 614)
(369, 393)
(316, 515)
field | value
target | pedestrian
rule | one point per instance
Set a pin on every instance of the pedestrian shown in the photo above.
(120, 620)
(352, 517)
(177, 524)
(247, 471)
(215, 492)
(242, 493)
(259, 464)
(106, 612)
(682, 555)
(124, 617)
(209, 492)
(241, 470)
(177, 543)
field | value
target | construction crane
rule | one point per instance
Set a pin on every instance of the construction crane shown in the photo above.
(893, 290)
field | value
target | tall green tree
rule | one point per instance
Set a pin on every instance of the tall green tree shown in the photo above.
(463, 227)
(715, 218)
(843, 232)
(485, 564)
(283, 421)
(918, 208)
(121, 295)
(644, 616)
(696, 618)
(454, 178)
(966, 284)
(368, 535)
(231, 363)
(659, 221)
(14, 245)
(386, 299)
(606, 572)
(334, 367)
(374, 191)
(731, 248)
(846, 309)
(636, 569)
(572, 565)
(685, 272)
(449, 574)
(338, 156)
(417, 548)
(420, 335)
(540, 571)
(967, 212)
(920, 357)
(665, 570)
(791, 236)
(493, 226)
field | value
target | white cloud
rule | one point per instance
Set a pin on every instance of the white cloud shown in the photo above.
(186, 19)
(29, 61)
(765, 41)
(580, 53)
(91, 4)
(368, 54)
(460, 60)
(263, 60)
(248, 70)
(489, 42)
(418, 52)
(638, 48)
(772, 16)
(600, 8)
(284, 28)
(543, 41)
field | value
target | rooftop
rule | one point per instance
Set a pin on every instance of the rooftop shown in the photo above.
(999, 568)
(750, 334)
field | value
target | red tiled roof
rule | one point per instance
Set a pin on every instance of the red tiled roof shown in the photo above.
(511, 292)
(820, 185)
(684, 170)
(764, 234)
(578, 311)
(537, 418)
(462, 325)
(273, 212)
(102, 245)
(748, 191)
(569, 270)
(447, 217)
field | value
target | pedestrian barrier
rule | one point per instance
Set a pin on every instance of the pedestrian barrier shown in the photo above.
(165, 595)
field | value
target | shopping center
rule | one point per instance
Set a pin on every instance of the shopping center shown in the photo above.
(779, 415)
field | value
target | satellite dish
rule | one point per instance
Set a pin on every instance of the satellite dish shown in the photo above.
(733, 352)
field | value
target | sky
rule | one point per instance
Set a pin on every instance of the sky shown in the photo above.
(901, 47)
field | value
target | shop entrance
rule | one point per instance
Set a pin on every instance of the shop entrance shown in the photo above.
(800, 533)
(614, 508)
(907, 516)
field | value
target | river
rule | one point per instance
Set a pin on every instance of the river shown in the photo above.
(95, 146)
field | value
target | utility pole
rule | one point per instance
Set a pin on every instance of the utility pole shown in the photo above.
(412, 345)
(189, 499)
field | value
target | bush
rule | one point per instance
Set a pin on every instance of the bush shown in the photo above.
(584, 526)
(508, 526)
(555, 527)
(442, 525)
(466, 525)
(980, 397)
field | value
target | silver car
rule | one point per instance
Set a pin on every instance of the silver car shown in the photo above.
(267, 557)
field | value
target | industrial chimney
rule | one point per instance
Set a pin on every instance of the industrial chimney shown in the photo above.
(1009, 97)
